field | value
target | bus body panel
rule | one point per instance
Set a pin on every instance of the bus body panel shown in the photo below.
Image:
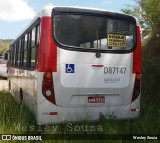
(80, 114)
(109, 71)
(74, 107)
(84, 113)
(77, 88)
(27, 82)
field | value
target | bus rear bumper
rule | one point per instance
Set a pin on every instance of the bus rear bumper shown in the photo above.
(60, 114)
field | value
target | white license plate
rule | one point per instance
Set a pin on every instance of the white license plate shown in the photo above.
(96, 99)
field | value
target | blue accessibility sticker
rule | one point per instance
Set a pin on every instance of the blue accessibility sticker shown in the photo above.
(69, 68)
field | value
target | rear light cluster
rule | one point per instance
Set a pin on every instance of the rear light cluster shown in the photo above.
(136, 90)
(47, 86)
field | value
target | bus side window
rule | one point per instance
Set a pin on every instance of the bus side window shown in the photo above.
(16, 53)
(19, 55)
(10, 57)
(13, 48)
(34, 46)
(22, 51)
(25, 52)
(29, 49)
(37, 41)
(37, 34)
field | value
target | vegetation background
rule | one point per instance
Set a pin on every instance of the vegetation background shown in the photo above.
(4, 45)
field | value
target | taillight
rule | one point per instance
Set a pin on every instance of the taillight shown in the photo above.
(97, 66)
(136, 90)
(47, 86)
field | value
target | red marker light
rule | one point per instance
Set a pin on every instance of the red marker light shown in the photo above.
(97, 65)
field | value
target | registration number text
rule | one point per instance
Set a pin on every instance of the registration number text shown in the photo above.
(115, 70)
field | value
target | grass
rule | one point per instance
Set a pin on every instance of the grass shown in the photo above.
(15, 118)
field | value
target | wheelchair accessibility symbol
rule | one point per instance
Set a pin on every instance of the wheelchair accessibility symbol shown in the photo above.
(69, 68)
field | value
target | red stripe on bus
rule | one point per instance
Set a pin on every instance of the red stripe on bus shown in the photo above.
(137, 59)
(47, 53)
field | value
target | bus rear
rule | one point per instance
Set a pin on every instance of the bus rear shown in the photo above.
(98, 67)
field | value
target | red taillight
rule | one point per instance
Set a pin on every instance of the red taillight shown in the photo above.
(138, 76)
(136, 90)
(133, 110)
(48, 75)
(52, 113)
(47, 87)
(48, 83)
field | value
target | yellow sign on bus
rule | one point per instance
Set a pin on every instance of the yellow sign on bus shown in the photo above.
(115, 40)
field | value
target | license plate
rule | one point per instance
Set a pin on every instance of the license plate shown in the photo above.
(96, 99)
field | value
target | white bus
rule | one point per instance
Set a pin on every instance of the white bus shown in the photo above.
(75, 64)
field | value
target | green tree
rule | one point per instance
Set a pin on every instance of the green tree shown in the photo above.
(137, 12)
(151, 9)
(147, 11)
(2, 50)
